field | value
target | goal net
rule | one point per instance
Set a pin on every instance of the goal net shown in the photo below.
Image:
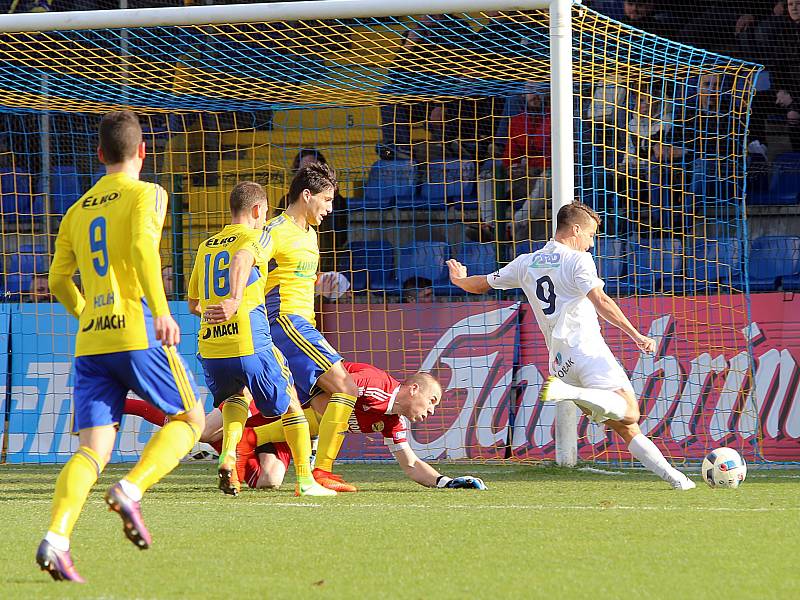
(440, 129)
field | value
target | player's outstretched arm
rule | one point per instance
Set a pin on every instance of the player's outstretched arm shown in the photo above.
(475, 284)
(238, 272)
(611, 312)
(424, 474)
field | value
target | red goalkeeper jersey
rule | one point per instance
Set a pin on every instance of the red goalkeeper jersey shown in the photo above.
(377, 391)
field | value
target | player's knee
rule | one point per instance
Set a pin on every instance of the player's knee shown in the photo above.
(348, 386)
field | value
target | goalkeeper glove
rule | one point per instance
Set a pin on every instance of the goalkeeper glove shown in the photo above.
(464, 482)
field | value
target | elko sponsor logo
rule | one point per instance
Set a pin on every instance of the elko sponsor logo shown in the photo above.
(214, 242)
(104, 323)
(95, 202)
(217, 331)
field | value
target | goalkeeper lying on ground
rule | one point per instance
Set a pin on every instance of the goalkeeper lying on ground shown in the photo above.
(384, 405)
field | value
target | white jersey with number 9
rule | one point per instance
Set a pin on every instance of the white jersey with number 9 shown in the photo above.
(556, 280)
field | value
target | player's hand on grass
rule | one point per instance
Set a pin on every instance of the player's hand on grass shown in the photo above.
(465, 482)
(167, 330)
(457, 270)
(219, 313)
(645, 344)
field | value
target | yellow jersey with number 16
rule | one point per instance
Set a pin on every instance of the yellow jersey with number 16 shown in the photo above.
(292, 270)
(246, 332)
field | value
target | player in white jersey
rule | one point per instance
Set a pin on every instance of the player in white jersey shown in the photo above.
(566, 295)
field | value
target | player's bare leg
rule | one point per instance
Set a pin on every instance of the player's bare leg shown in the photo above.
(643, 449)
(72, 488)
(341, 393)
(273, 471)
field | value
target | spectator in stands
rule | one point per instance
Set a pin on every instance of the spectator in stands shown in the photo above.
(39, 290)
(649, 16)
(719, 25)
(777, 43)
(421, 50)
(650, 149)
(527, 158)
(26, 6)
(168, 277)
(333, 230)
(418, 290)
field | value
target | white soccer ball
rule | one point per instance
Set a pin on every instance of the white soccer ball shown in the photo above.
(724, 468)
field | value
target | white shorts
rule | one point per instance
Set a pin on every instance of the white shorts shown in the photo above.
(590, 365)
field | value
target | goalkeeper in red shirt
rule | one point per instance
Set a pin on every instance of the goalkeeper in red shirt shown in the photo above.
(383, 405)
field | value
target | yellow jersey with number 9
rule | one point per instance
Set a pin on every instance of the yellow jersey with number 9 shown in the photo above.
(292, 270)
(246, 332)
(97, 236)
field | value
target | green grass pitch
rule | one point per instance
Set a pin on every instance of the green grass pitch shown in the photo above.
(537, 533)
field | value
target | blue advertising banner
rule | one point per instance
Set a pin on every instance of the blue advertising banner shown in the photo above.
(40, 401)
(5, 348)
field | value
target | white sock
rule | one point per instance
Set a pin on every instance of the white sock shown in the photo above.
(59, 542)
(646, 452)
(131, 490)
(599, 402)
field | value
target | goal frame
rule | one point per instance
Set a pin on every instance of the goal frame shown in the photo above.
(561, 85)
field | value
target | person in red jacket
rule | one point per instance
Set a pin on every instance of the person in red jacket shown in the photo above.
(527, 158)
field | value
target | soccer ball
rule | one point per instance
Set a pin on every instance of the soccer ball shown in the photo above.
(724, 468)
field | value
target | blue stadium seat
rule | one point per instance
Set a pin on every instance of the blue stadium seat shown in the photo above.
(448, 182)
(369, 265)
(786, 178)
(390, 183)
(772, 258)
(479, 258)
(612, 258)
(712, 265)
(524, 247)
(791, 283)
(17, 200)
(65, 189)
(28, 261)
(656, 265)
(424, 259)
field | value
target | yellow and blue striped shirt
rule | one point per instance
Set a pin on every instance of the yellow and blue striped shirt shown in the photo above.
(292, 270)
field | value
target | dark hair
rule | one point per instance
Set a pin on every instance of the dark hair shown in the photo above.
(575, 213)
(120, 136)
(313, 152)
(245, 196)
(416, 283)
(315, 178)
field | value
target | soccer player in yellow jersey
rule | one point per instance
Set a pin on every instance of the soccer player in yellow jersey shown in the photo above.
(226, 290)
(126, 340)
(290, 307)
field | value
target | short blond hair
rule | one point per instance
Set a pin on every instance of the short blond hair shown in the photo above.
(426, 382)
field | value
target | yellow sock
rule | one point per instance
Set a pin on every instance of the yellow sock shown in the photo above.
(72, 488)
(162, 453)
(296, 432)
(235, 411)
(332, 427)
(273, 432)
